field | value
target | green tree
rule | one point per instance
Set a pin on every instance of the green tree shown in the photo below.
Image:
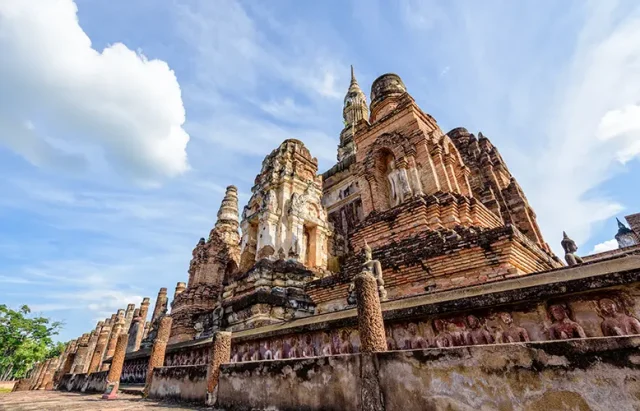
(25, 341)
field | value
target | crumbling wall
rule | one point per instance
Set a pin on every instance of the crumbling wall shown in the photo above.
(188, 383)
(94, 382)
(588, 374)
(329, 383)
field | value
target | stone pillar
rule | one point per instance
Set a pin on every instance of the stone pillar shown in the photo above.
(81, 355)
(145, 333)
(158, 350)
(38, 373)
(68, 363)
(134, 330)
(47, 381)
(66, 360)
(370, 322)
(220, 354)
(180, 287)
(161, 305)
(144, 309)
(101, 347)
(372, 339)
(115, 371)
(128, 317)
(93, 340)
(113, 339)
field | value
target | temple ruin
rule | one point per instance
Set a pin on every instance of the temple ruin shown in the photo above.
(411, 275)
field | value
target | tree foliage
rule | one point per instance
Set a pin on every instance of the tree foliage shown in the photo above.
(25, 341)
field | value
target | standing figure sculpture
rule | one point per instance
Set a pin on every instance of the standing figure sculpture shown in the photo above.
(345, 343)
(478, 334)
(327, 345)
(374, 267)
(570, 248)
(443, 337)
(415, 340)
(563, 328)
(615, 322)
(512, 333)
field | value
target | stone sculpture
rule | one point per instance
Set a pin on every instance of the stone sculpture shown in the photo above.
(443, 337)
(478, 335)
(570, 248)
(563, 328)
(512, 333)
(615, 322)
(415, 341)
(374, 267)
(345, 343)
(327, 345)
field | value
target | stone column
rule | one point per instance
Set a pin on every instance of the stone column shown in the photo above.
(113, 339)
(370, 322)
(128, 317)
(64, 365)
(158, 350)
(134, 330)
(372, 339)
(220, 354)
(144, 309)
(43, 371)
(93, 340)
(101, 347)
(81, 355)
(115, 371)
(161, 305)
(47, 381)
(180, 287)
(35, 377)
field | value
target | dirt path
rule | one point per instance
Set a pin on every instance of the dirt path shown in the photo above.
(59, 401)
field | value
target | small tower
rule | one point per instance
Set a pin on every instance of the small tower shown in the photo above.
(228, 224)
(626, 237)
(355, 110)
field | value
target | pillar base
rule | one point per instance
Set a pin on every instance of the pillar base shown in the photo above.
(111, 393)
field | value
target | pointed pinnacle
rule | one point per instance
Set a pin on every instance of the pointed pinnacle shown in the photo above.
(353, 76)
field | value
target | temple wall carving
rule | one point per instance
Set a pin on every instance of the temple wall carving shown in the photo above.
(601, 314)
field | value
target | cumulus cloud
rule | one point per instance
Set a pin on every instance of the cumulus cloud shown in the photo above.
(64, 104)
(605, 246)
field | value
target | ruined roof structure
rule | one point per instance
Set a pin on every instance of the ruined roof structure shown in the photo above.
(466, 284)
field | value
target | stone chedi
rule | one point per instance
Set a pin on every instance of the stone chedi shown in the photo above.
(626, 237)
(417, 239)
(213, 259)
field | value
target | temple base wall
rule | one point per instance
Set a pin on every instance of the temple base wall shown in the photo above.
(94, 382)
(187, 383)
(330, 383)
(595, 374)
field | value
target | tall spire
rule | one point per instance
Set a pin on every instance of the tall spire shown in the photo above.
(227, 226)
(228, 212)
(355, 110)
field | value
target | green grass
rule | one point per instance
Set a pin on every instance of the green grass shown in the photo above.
(5, 390)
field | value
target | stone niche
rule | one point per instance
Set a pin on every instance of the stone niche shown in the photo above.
(270, 292)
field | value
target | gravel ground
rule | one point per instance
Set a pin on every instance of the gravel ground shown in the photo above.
(59, 401)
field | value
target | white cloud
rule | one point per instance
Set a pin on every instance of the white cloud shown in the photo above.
(623, 126)
(65, 104)
(605, 246)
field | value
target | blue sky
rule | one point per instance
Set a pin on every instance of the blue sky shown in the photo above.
(121, 122)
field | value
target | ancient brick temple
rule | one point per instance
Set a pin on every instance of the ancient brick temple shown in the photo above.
(432, 222)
